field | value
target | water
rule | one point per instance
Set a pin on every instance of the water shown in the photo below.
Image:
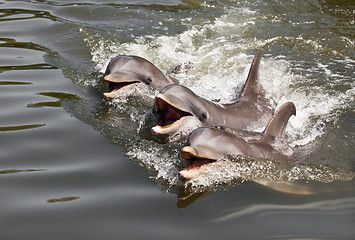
(74, 166)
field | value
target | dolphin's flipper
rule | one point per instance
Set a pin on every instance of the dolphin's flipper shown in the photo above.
(249, 89)
(277, 124)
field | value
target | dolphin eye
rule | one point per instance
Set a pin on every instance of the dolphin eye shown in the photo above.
(149, 81)
(204, 116)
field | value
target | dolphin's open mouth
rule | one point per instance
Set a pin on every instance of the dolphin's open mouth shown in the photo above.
(114, 87)
(196, 163)
(169, 116)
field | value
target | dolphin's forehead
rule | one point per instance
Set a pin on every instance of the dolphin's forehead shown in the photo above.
(200, 134)
(216, 140)
(131, 63)
(120, 61)
(178, 90)
(183, 98)
(208, 137)
(139, 69)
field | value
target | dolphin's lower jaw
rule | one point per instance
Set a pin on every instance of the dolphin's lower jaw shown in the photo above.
(193, 170)
(115, 87)
(161, 130)
(197, 163)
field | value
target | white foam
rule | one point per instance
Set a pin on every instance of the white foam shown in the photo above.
(157, 160)
(223, 174)
(314, 111)
(221, 59)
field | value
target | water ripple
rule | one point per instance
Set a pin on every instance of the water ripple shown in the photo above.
(25, 14)
(27, 67)
(13, 171)
(336, 206)
(13, 83)
(58, 95)
(64, 199)
(20, 127)
(12, 43)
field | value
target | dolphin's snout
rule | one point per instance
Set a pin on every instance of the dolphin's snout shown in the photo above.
(188, 152)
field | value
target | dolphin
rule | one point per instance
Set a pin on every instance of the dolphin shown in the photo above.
(126, 71)
(207, 144)
(181, 110)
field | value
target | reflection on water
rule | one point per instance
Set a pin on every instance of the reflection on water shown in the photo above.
(326, 207)
(189, 195)
(20, 171)
(13, 83)
(65, 199)
(68, 160)
(21, 127)
(12, 43)
(60, 96)
(186, 198)
(27, 67)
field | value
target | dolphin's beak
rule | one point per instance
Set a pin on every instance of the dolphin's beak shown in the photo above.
(198, 152)
(188, 152)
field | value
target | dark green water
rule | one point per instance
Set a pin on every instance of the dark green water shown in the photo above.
(75, 167)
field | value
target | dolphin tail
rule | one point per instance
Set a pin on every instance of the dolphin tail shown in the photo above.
(277, 124)
(249, 89)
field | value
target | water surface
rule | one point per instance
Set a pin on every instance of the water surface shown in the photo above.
(74, 166)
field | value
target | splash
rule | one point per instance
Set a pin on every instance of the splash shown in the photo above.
(221, 53)
(223, 174)
(220, 68)
(162, 162)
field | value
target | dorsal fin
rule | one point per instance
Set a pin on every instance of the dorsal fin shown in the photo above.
(278, 122)
(249, 89)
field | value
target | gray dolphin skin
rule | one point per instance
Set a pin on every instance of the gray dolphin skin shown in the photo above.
(126, 71)
(181, 110)
(207, 144)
